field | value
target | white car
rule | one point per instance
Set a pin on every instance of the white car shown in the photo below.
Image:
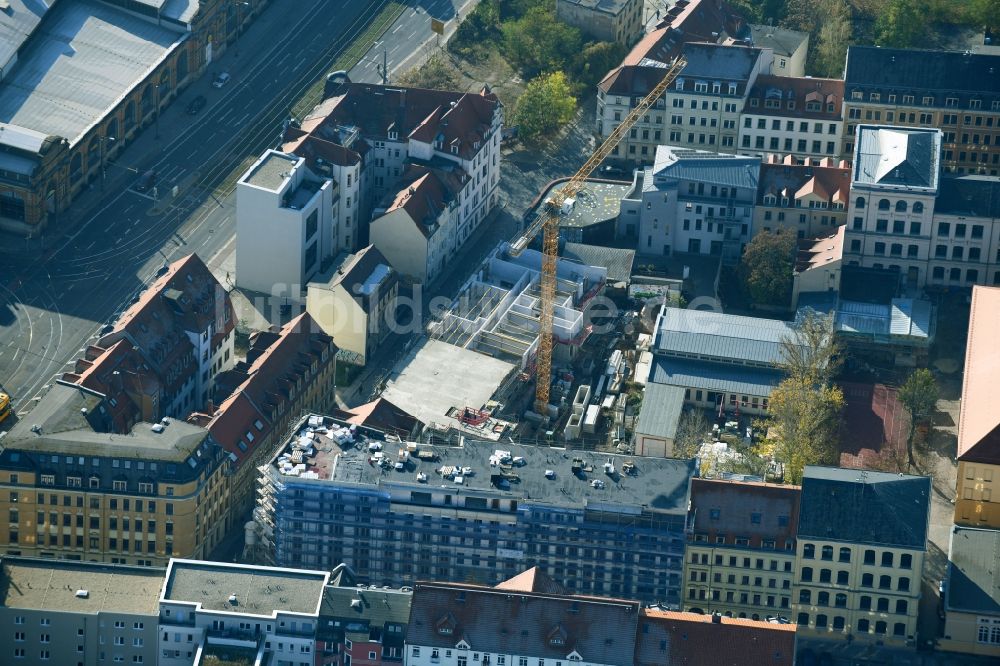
(221, 80)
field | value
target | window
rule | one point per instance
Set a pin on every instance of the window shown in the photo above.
(867, 580)
(863, 626)
(808, 551)
(887, 559)
(827, 553)
(842, 577)
(865, 603)
(884, 582)
(903, 584)
(803, 619)
(845, 555)
(805, 597)
(824, 575)
(883, 204)
(806, 575)
(906, 561)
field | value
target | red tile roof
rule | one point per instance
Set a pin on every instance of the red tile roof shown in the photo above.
(274, 363)
(800, 91)
(459, 119)
(532, 580)
(424, 193)
(383, 416)
(736, 502)
(669, 637)
(818, 252)
(979, 420)
(785, 179)
(119, 373)
(185, 299)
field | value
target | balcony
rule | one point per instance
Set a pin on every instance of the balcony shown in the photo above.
(231, 637)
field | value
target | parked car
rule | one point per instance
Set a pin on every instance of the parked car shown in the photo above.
(221, 80)
(196, 105)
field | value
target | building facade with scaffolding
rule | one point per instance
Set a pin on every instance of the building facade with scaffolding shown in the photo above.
(397, 512)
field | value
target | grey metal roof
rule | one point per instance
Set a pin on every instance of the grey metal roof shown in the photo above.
(924, 72)
(902, 317)
(618, 261)
(601, 631)
(718, 62)
(973, 196)
(677, 163)
(780, 40)
(902, 157)
(16, 25)
(910, 317)
(661, 410)
(722, 336)
(862, 506)
(974, 571)
(714, 376)
(80, 63)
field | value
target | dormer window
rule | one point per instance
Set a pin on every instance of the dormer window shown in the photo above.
(446, 625)
(557, 637)
(454, 150)
(393, 135)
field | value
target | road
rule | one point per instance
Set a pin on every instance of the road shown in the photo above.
(57, 292)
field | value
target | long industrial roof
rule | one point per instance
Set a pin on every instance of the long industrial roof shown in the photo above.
(84, 58)
(706, 334)
(715, 376)
(16, 25)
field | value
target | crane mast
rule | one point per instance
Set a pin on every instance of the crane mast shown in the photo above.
(547, 222)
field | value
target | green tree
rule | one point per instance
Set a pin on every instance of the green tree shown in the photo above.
(830, 54)
(539, 42)
(812, 354)
(546, 104)
(692, 429)
(919, 394)
(596, 60)
(901, 23)
(985, 13)
(477, 30)
(437, 73)
(766, 267)
(804, 424)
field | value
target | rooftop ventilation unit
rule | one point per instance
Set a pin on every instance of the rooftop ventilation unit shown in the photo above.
(83, 594)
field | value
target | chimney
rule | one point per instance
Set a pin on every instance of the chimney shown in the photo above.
(716, 618)
(210, 407)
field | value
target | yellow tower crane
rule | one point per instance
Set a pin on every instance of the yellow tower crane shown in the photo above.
(547, 222)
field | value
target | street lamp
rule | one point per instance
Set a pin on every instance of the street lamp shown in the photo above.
(157, 87)
(240, 4)
(104, 162)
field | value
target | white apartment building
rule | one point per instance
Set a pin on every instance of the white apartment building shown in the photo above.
(366, 137)
(420, 228)
(800, 116)
(700, 110)
(894, 184)
(693, 201)
(965, 238)
(234, 610)
(58, 612)
(285, 225)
